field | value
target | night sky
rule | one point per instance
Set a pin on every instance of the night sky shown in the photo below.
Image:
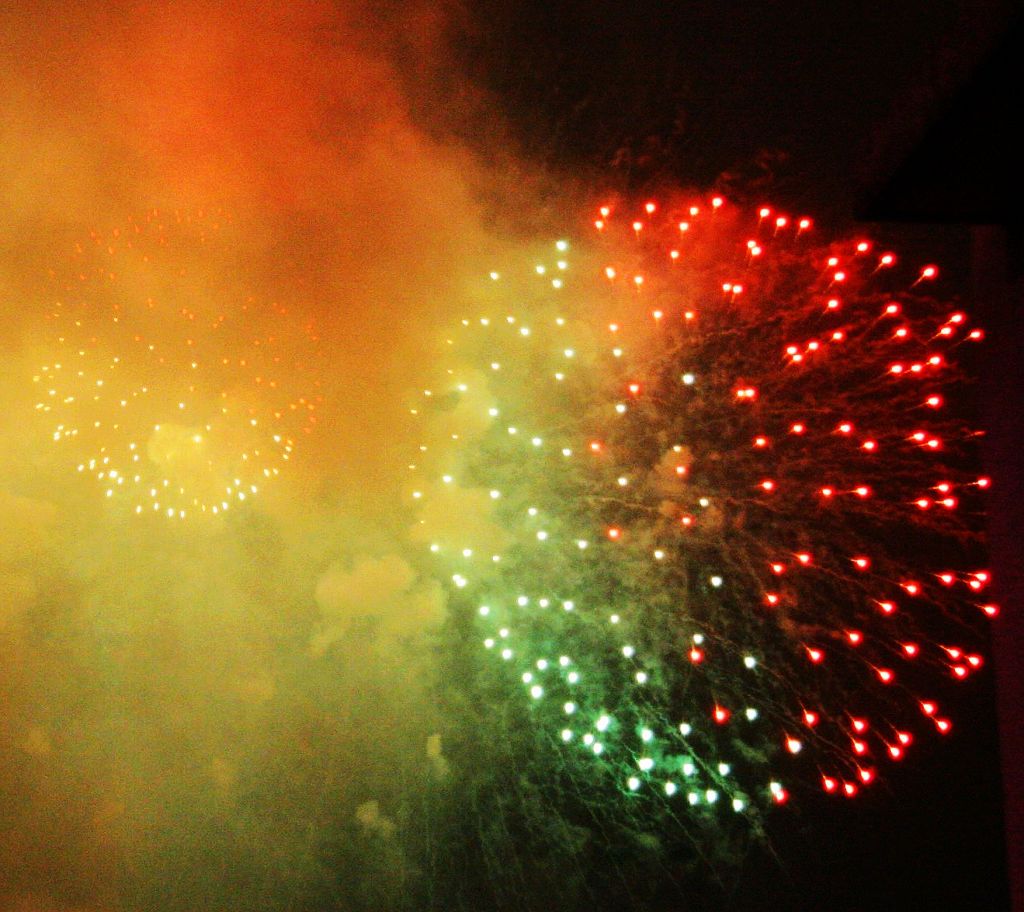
(157, 687)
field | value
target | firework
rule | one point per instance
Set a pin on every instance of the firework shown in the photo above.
(170, 384)
(733, 473)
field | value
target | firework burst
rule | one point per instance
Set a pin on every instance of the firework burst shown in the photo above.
(176, 389)
(734, 476)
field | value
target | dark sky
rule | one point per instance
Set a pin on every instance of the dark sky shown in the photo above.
(790, 93)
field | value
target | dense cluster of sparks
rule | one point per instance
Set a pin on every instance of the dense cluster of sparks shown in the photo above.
(176, 389)
(735, 472)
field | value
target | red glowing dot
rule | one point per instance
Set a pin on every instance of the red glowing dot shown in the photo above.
(895, 751)
(804, 558)
(923, 503)
(781, 222)
(855, 637)
(778, 569)
(862, 491)
(598, 224)
(684, 226)
(863, 247)
(828, 784)
(839, 276)
(885, 675)
(891, 309)
(815, 655)
(674, 254)
(680, 470)
(606, 211)
(634, 388)
(959, 671)
(717, 201)
(595, 446)
(859, 747)
(794, 745)
(866, 775)
(804, 224)
(649, 208)
(838, 336)
(943, 725)
(862, 563)
(797, 428)
(929, 272)
(983, 482)
(696, 656)
(687, 520)
(904, 738)
(990, 610)
(859, 725)
(975, 661)
(911, 588)
(887, 607)
(869, 445)
(850, 789)
(827, 492)
(771, 598)
(614, 533)
(933, 402)
(768, 485)
(845, 427)
(910, 649)
(637, 226)
(896, 369)
(976, 335)
(832, 261)
(981, 575)
(887, 259)
(928, 708)
(780, 795)
(833, 304)
(810, 718)
(764, 212)
(721, 715)
(949, 502)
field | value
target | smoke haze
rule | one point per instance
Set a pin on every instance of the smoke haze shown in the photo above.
(222, 712)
